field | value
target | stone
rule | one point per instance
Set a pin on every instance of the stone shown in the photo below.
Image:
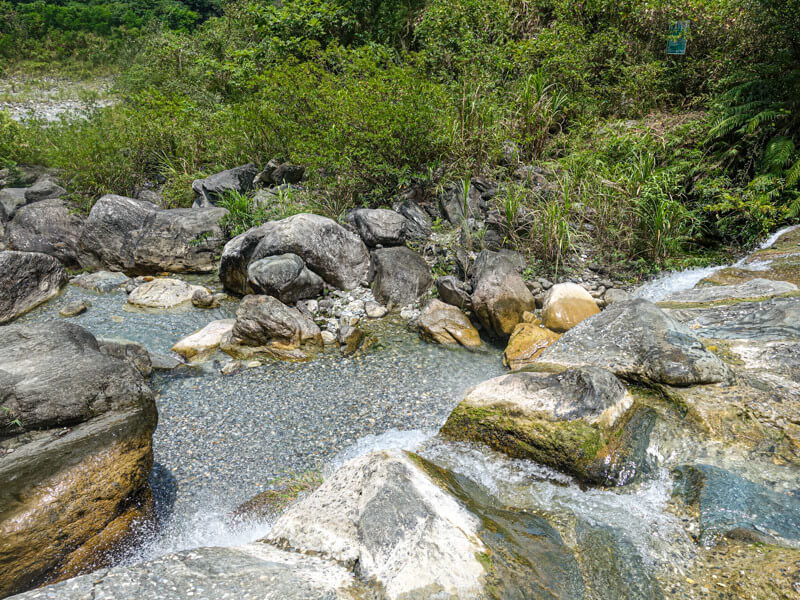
(204, 342)
(162, 293)
(211, 189)
(132, 352)
(499, 295)
(73, 309)
(328, 249)
(284, 276)
(613, 295)
(231, 367)
(750, 290)
(380, 227)
(350, 338)
(453, 291)
(75, 476)
(527, 342)
(236, 257)
(44, 189)
(445, 324)
(451, 203)
(101, 282)
(50, 228)
(203, 298)
(265, 176)
(27, 279)
(582, 422)
(375, 310)
(399, 276)
(252, 572)
(566, 305)
(10, 200)
(139, 238)
(328, 337)
(287, 173)
(418, 225)
(264, 325)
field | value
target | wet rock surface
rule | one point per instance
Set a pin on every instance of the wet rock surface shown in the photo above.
(445, 324)
(754, 289)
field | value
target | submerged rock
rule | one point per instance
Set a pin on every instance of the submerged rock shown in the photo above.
(132, 352)
(527, 342)
(499, 296)
(73, 309)
(636, 339)
(350, 338)
(204, 342)
(100, 281)
(27, 279)
(162, 293)
(566, 305)
(284, 276)
(445, 324)
(582, 422)
(399, 276)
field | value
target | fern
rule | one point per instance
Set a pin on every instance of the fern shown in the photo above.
(793, 174)
(778, 153)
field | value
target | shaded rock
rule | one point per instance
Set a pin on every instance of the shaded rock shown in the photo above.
(380, 227)
(527, 342)
(582, 422)
(419, 223)
(452, 204)
(162, 292)
(375, 310)
(287, 173)
(265, 176)
(613, 295)
(50, 228)
(399, 276)
(350, 338)
(70, 496)
(499, 295)
(236, 257)
(73, 309)
(454, 291)
(10, 200)
(44, 189)
(204, 342)
(636, 339)
(203, 298)
(284, 276)
(445, 324)
(132, 352)
(750, 290)
(100, 281)
(264, 325)
(734, 507)
(335, 254)
(214, 187)
(566, 305)
(27, 279)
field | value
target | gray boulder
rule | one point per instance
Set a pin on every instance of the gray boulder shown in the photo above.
(284, 276)
(235, 259)
(10, 200)
(287, 173)
(419, 223)
(380, 227)
(453, 291)
(452, 205)
(132, 352)
(44, 189)
(48, 227)
(212, 188)
(499, 296)
(637, 340)
(27, 279)
(399, 276)
(100, 281)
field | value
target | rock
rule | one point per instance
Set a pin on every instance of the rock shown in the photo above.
(637, 340)
(613, 295)
(50, 228)
(44, 189)
(264, 325)
(163, 362)
(445, 324)
(203, 298)
(545, 283)
(204, 342)
(399, 276)
(265, 176)
(582, 422)
(566, 305)
(100, 281)
(231, 367)
(287, 173)
(73, 309)
(500, 295)
(135, 282)
(527, 342)
(453, 291)
(750, 290)
(418, 226)
(139, 238)
(27, 279)
(451, 203)
(284, 276)
(132, 352)
(256, 571)
(75, 477)
(350, 338)
(213, 188)
(375, 310)
(162, 292)
(380, 227)
(10, 200)
(327, 248)
(734, 507)
(236, 257)
(328, 337)
(152, 196)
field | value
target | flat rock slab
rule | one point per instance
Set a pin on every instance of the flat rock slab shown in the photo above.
(754, 289)
(205, 341)
(162, 293)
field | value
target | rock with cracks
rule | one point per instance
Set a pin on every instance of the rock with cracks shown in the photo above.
(27, 279)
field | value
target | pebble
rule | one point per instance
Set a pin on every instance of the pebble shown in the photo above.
(375, 310)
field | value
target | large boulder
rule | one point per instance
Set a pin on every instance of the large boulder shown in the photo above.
(137, 237)
(284, 276)
(637, 340)
(566, 305)
(162, 293)
(27, 279)
(75, 453)
(399, 276)
(335, 254)
(445, 324)
(500, 296)
(419, 223)
(101, 282)
(235, 259)
(380, 227)
(417, 531)
(10, 200)
(582, 422)
(453, 291)
(213, 188)
(44, 189)
(264, 325)
(50, 228)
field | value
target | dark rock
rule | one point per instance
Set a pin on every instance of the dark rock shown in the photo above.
(288, 173)
(499, 294)
(214, 187)
(203, 298)
(350, 338)
(453, 291)
(48, 227)
(452, 205)
(131, 352)
(265, 176)
(284, 276)
(399, 276)
(10, 200)
(27, 279)
(380, 227)
(236, 256)
(44, 189)
(419, 223)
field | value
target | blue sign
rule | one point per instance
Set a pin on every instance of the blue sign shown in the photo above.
(676, 42)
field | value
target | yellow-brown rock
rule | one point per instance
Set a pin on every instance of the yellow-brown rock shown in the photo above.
(445, 324)
(527, 342)
(566, 305)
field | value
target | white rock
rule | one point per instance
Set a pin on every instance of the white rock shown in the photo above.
(162, 293)
(205, 341)
(375, 310)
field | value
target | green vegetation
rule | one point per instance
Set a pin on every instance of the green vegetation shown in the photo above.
(648, 161)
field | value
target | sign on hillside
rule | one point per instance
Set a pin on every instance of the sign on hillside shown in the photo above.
(676, 42)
